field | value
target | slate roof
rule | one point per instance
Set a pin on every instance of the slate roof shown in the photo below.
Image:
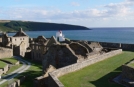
(20, 33)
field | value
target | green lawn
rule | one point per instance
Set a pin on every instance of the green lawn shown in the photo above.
(10, 60)
(34, 71)
(4, 28)
(131, 65)
(99, 74)
(2, 64)
(13, 68)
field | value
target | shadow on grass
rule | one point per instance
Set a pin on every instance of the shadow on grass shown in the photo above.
(34, 71)
(29, 80)
(107, 80)
(34, 63)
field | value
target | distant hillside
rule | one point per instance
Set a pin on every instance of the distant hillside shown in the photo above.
(12, 26)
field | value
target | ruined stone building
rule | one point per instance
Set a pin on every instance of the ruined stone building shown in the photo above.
(39, 47)
(19, 42)
(60, 55)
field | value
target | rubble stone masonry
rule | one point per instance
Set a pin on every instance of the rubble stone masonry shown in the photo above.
(6, 52)
(53, 76)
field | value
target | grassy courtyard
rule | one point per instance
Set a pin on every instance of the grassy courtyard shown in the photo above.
(10, 60)
(99, 74)
(34, 71)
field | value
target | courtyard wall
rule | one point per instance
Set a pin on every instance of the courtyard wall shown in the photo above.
(123, 46)
(53, 80)
(6, 52)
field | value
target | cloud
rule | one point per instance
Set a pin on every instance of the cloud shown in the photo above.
(75, 4)
(112, 11)
(120, 9)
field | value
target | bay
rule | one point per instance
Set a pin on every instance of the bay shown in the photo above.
(115, 35)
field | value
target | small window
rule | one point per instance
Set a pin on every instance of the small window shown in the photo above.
(15, 39)
(23, 38)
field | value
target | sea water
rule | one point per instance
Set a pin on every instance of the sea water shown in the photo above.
(116, 35)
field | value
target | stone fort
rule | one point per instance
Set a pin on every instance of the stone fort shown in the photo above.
(55, 54)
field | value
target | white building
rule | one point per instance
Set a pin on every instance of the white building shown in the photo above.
(60, 36)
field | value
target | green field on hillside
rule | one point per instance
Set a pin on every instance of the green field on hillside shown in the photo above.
(6, 29)
(12, 26)
(99, 74)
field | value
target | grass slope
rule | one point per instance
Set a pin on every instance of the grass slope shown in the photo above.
(37, 26)
(12, 69)
(2, 64)
(10, 60)
(99, 74)
(34, 71)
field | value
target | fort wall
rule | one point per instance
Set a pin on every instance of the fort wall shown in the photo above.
(4, 70)
(127, 72)
(53, 80)
(6, 52)
(123, 46)
(129, 47)
(127, 75)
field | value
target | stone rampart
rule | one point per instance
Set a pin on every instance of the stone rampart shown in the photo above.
(6, 53)
(53, 76)
(129, 47)
(127, 72)
(127, 75)
(39, 81)
(123, 46)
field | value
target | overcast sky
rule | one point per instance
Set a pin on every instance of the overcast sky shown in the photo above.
(89, 13)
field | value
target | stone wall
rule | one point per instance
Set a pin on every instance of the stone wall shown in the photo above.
(4, 70)
(129, 47)
(39, 81)
(127, 76)
(5, 52)
(17, 40)
(37, 51)
(127, 72)
(123, 46)
(1, 71)
(0, 40)
(53, 76)
(18, 82)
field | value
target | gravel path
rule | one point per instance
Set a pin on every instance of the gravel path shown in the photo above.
(15, 73)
